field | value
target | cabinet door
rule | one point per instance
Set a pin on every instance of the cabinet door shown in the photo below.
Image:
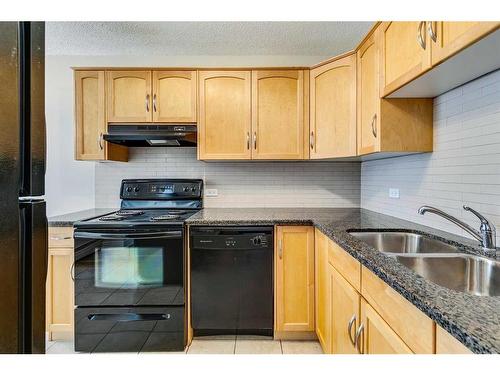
(333, 109)
(375, 336)
(90, 115)
(294, 260)
(322, 292)
(174, 96)
(449, 38)
(60, 294)
(225, 117)
(129, 96)
(345, 317)
(405, 52)
(278, 114)
(368, 96)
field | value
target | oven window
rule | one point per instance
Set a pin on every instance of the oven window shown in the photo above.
(129, 267)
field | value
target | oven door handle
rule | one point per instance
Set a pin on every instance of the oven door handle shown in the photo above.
(128, 236)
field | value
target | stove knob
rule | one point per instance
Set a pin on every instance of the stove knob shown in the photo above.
(129, 189)
(193, 189)
(186, 189)
(137, 188)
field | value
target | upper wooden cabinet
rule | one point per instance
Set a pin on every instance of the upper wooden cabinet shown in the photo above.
(448, 38)
(90, 119)
(129, 96)
(388, 125)
(278, 114)
(224, 124)
(405, 53)
(294, 279)
(333, 109)
(174, 96)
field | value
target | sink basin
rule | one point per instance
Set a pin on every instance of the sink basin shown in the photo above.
(463, 273)
(404, 243)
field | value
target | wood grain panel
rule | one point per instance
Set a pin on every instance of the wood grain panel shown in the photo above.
(278, 114)
(447, 344)
(294, 289)
(174, 96)
(333, 109)
(225, 115)
(345, 264)
(322, 291)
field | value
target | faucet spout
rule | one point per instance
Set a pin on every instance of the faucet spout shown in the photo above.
(486, 235)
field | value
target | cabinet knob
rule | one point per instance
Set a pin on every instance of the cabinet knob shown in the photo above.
(147, 102)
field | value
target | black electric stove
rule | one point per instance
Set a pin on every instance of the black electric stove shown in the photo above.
(129, 269)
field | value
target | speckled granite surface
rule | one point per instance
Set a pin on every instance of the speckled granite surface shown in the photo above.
(473, 320)
(70, 218)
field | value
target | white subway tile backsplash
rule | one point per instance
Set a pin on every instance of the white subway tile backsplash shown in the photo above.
(239, 184)
(464, 167)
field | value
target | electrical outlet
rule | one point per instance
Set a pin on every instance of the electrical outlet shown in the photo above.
(394, 193)
(211, 192)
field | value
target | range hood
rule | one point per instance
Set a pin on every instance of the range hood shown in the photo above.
(152, 135)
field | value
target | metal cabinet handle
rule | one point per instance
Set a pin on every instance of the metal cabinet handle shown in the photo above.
(311, 141)
(280, 249)
(248, 140)
(60, 238)
(420, 37)
(147, 102)
(100, 140)
(352, 322)
(154, 102)
(374, 125)
(359, 334)
(430, 29)
(255, 140)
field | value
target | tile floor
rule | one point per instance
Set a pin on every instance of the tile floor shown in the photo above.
(219, 345)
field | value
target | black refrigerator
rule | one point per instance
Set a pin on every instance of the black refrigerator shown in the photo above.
(23, 222)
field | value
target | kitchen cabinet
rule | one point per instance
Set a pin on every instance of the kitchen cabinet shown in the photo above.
(447, 344)
(90, 119)
(405, 53)
(129, 96)
(278, 115)
(345, 313)
(174, 96)
(224, 124)
(375, 336)
(448, 38)
(333, 109)
(59, 289)
(294, 280)
(322, 290)
(388, 125)
(414, 327)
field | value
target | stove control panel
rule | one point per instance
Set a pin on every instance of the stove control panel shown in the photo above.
(158, 189)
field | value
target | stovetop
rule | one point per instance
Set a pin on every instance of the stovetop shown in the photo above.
(139, 217)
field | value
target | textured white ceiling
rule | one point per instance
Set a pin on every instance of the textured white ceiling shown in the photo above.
(203, 38)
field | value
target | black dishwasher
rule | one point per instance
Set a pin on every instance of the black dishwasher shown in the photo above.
(231, 280)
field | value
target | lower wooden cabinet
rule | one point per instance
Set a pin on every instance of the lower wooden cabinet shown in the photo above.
(375, 336)
(447, 344)
(294, 281)
(322, 290)
(345, 313)
(59, 288)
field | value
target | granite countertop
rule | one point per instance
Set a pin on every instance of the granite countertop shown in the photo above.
(473, 320)
(67, 220)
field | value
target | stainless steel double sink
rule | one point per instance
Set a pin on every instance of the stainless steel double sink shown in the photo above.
(437, 261)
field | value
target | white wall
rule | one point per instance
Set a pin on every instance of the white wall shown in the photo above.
(239, 184)
(463, 169)
(70, 184)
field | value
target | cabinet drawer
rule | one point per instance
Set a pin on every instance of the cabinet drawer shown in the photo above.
(415, 328)
(345, 264)
(447, 344)
(60, 236)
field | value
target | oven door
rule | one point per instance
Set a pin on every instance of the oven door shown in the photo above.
(129, 267)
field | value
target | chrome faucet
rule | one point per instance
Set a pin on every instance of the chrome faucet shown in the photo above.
(486, 234)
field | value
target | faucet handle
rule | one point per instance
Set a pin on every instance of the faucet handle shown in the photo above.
(479, 216)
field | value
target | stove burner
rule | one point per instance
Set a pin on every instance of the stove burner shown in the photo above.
(164, 217)
(128, 213)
